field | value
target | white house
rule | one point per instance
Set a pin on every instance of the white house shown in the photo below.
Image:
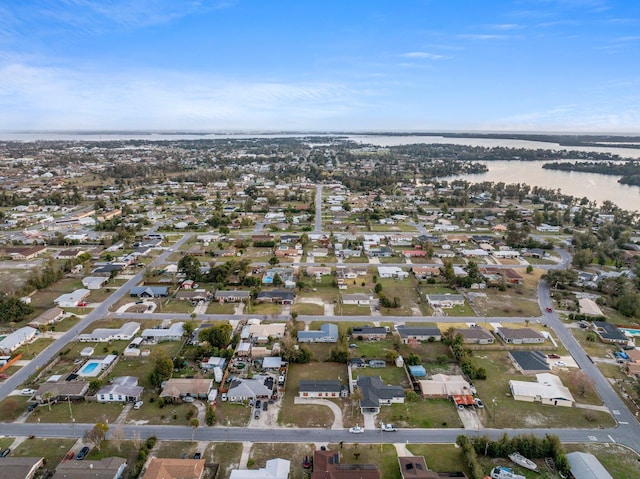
(172, 333)
(14, 340)
(94, 282)
(71, 300)
(104, 335)
(274, 469)
(122, 389)
(548, 389)
(358, 299)
(445, 300)
(392, 272)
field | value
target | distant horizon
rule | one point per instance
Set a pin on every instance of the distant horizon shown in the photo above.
(258, 131)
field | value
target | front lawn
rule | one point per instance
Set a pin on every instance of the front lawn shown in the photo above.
(12, 407)
(53, 450)
(82, 412)
(308, 309)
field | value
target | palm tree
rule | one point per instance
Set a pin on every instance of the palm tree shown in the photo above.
(194, 425)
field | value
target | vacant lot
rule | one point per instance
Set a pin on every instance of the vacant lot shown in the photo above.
(308, 309)
(234, 415)
(84, 412)
(12, 407)
(225, 454)
(440, 457)
(389, 375)
(406, 292)
(382, 455)
(53, 451)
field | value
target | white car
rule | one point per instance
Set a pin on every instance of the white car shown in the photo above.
(389, 428)
(356, 430)
(560, 364)
(479, 403)
(28, 392)
(138, 405)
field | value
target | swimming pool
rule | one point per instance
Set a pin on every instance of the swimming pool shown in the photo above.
(91, 368)
(632, 332)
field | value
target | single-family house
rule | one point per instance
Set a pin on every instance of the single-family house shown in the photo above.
(609, 333)
(61, 391)
(149, 291)
(369, 333)
(231, 296)
(241, 390)
(442, 386)
(425, 272)
(13, 341)
(126, 332)
(585, 465)
(424, 333)
(178, 388)
(475, 335)
(392, 272)
(276, 296)
(71, 300)
(445, 300)
(321, 389)
(327, 465)
(164, 468)
(94, 282)
(328, 333)
(529, 362)
(20, 467)
(274, 469)
(106, 468)
(50, 316)
(519, 335)
(376, 393)
(357, 299)
(121, 389)
(172, 333)
(547, 389)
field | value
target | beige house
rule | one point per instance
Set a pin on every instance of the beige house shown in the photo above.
(164, 468)
(444, 386)
(179, 388)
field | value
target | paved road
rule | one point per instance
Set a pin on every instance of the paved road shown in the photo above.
(100, 312)
(318, 218)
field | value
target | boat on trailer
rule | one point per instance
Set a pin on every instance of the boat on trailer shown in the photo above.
(520, 460)
(505, 473)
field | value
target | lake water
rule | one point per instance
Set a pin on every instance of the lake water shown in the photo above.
(594, 186)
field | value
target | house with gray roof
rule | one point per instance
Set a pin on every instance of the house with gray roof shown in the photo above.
(419, 334)
(445, 300)
(328, 333)
(609, 333)
(121, 389)
(475, 335)
(586, 466)
(519, 335)
(149, 291)
(231, 296)
(242, 390)
(529, 362)
(321, 389)
(376, 393)
(370, 333)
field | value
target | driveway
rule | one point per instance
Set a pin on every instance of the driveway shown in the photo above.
(337, 412)
(470, 418)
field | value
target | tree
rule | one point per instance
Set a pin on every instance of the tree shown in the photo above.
(188, 328)
(414, 360)
(96, 434)
(210, 416)
(378, 288)
(273, 261)
(339, 354)
(582, 258)
(162, 370)
(195, 423)
(117, 436)
(189, 265)
(218, 336)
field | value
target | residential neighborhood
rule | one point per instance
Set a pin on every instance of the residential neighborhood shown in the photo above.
(248, 314)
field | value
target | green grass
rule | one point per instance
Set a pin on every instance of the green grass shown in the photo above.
(307, 309)
(31, 350)
(111, 449)
(266, 308)
(307, 415)
(168, 414)
(180, 307)
(225, 454)
(371, 349)
(84, 412)
(5, 442)
(261, 453)
(175, 449)
(12, 408)
(440, 457)
(389, 375)
(509, 413)
(217, 308)
(351, 310)
(382, 455)
(53, 450)
(238, 415)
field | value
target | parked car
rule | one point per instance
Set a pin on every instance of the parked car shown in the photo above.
(224, 396)
(188, 399)
(560, 364)
(4, 376)
(28, 392)
(197, 455)
(306, 463)
(553, 356)
(479, 403)
(68, 456)
(389, 427)
(356, 430)
(32, 406)
(258, 404)
(256, 414)
(5, 452)
(138, 405)
(83, 453)
(265, 406)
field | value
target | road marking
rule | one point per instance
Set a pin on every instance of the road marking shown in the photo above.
(616, 412)
(592, 438)
(623, 422)
(612, 439)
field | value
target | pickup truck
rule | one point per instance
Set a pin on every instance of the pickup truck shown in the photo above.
(389, 427)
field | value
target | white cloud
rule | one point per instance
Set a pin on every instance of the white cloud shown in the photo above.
(50, 98)
(425, 55)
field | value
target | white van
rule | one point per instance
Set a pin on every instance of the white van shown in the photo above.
(138, 405)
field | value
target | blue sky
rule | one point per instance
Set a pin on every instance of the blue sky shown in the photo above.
(519, 65)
